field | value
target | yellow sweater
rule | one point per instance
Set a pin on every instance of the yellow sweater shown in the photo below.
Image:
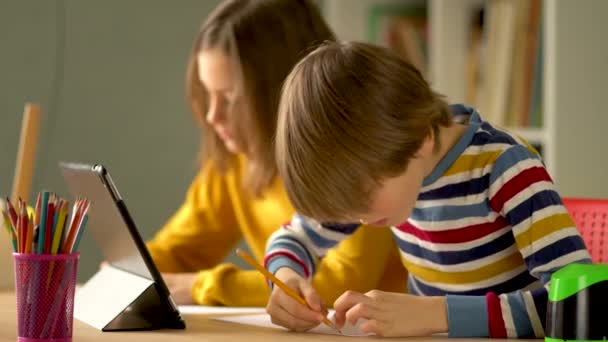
(216, 214)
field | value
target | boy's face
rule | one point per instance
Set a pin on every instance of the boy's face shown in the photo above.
(392, 203)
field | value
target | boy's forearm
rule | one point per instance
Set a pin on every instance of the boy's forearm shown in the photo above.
(291, 247)
(301, 243)
(277, 261)
(285, 249)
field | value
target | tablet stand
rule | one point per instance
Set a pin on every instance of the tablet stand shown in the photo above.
(114, 299)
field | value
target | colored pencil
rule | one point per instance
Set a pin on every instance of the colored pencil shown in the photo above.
(51, 228)
(10, 230)
(71, 236)
(42, 224)
(81, 230)
(48, 233)
(12, 213)
(30, 236)
(24, 223)
(57, 235)
(37, 210)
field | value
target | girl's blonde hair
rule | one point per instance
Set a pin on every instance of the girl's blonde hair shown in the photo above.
(265, 38)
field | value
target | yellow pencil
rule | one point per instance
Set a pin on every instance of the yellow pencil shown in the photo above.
(8, 224)
(11, 231)
(288, 290)
(63, 211)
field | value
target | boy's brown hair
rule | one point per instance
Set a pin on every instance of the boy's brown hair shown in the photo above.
(351, 115)
(265, 38)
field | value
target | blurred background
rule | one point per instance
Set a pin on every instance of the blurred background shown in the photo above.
(109, 76)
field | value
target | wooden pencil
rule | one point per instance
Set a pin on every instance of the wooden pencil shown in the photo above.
(288, 290)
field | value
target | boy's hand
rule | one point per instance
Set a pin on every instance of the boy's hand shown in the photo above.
(286, 311)
(392, 314)
(180, 286)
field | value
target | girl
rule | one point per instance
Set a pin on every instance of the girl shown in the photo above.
(241, 56)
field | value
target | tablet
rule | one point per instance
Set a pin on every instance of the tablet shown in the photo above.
(115, 232)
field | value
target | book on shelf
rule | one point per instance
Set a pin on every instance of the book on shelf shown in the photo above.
(534, 96)
(504, 62)
(473, 71)
(519, 83)
(404, 29)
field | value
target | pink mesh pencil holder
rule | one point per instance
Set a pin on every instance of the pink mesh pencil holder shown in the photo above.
(45, 286)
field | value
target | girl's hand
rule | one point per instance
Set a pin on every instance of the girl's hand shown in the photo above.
(180, 286)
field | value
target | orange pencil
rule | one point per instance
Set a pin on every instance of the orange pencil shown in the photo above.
(288, 290)
(68, 231)
(77, 218)
(30, 235)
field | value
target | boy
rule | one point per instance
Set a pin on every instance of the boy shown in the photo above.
(362, 138)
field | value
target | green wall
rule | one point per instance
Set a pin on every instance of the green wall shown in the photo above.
(109, 76)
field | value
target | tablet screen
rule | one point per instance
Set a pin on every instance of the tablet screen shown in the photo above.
(106, 223)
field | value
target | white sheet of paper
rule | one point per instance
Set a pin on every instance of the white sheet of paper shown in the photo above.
(215, 310)
(263, 320)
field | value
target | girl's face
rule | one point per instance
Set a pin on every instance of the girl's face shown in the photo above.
(218, 75)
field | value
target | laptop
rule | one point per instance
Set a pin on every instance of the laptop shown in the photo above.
(129, 293)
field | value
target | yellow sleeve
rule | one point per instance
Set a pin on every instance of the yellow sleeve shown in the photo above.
(227, 285)
(202, 231)
(360, 263)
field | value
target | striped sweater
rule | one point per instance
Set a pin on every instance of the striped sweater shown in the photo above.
(487, 231)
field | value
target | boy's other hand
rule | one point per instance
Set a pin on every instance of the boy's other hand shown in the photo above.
(392, 314)
(180, 286)
(286, 311)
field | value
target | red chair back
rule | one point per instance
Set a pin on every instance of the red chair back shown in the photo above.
(591, 219)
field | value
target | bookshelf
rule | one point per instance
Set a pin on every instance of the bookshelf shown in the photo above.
(574, 66)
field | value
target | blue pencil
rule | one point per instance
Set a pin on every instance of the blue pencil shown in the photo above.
(42, 227)
(83, 225)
